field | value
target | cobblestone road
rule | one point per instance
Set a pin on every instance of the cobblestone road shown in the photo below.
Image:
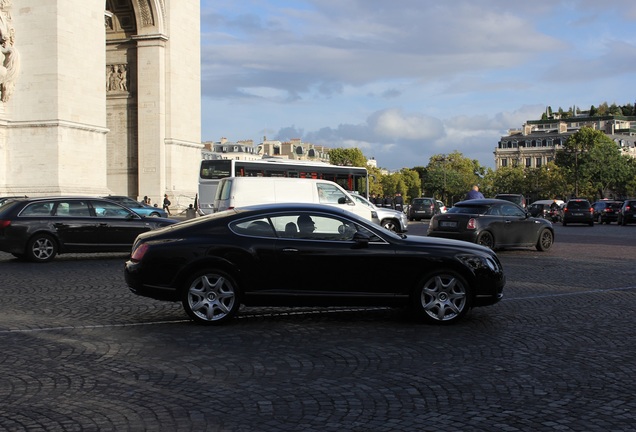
(80, 353)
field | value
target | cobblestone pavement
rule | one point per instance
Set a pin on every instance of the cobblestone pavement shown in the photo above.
(80, 353)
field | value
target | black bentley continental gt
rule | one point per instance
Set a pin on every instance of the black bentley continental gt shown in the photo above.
(37, 229)
(494, 223)
(303, 255)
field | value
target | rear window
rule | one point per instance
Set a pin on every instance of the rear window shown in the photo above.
(578, 205)
(482, 209)
(422, 201)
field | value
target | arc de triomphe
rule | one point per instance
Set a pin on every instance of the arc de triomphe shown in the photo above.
(99, 97)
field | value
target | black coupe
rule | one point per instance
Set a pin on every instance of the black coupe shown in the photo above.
(308, 255)
(493, 223)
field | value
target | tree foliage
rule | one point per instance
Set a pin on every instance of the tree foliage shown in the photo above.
(347, 157)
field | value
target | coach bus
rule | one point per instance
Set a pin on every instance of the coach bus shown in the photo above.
(213, 170)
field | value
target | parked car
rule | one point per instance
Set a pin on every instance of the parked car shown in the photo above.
(578, 210)
(493, 223)
(138, 207)
(393, 220)
(542, 208)
(627, 213)
(518, 199)
(6, 198)
(606, 211)
(442, 206)
(38, 229)
(292, 255)
(423, 208)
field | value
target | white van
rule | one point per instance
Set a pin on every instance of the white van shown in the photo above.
(244, 191)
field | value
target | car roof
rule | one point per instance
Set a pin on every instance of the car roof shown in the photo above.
(483, 201)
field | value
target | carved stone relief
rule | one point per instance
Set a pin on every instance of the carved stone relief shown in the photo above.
(10, 57)
(117, 79)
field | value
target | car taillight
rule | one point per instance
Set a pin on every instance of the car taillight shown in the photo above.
(139, 252)
(4, 223)
(626, 208)
(471, 224)
(591, 209)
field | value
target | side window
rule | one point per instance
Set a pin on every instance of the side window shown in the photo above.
(254, 227)
(110, 210)
(307, 226)
(509, 210)
(328, 193)
(38, 209)
(72, 209)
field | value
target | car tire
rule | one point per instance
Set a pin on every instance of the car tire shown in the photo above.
(390, 225)
(211, 297)
(564, 223)
(41, 248)
(443, 297)
(546, 240)
(154, 214)
(485, 238)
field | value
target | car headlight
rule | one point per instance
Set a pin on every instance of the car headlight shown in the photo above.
(477, 262)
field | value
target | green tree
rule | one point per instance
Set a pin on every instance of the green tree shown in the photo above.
(449, 176)
(347, 157)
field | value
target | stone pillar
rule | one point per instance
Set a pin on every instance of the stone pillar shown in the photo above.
(54, 123)
(151, 102)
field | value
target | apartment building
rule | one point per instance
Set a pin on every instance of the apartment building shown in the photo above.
(537, 142)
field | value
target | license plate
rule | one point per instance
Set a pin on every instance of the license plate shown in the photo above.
(577, 214)
(448, 224)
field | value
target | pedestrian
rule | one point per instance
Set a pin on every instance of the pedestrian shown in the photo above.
(372, 199)
(166, 204)
(398, 202)
(190, 212)
(474, 193)
(388, 202)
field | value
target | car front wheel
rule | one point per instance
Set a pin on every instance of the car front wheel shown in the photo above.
(41, 248)
(211, 297)
(444, 297)
(390, 225)
(546, 239)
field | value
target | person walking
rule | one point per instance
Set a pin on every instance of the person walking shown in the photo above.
(167, 204)
(474, 193)
(398, 202)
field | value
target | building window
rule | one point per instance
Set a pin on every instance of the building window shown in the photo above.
(528, 162)
(537, 162)
(504, 162)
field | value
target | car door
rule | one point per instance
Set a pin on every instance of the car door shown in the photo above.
(519, 228)
(73, 224)
(327, 261)
(118, 226)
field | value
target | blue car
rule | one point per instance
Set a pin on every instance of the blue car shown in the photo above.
(137, 207)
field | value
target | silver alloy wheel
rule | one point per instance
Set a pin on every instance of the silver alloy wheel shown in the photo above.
(211, 298)
(444, 298)
(390, 225)
(42, 248)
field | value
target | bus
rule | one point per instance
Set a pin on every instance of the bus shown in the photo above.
(351, 178)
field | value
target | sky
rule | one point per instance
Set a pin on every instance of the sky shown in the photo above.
(404, 80)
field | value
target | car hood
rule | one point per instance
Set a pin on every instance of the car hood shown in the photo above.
(443, 242)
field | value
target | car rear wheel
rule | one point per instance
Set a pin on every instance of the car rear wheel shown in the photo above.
(444, 297)
(211, 297)
(546, 239)
(486, 239)
(41, 248)
(154, 214)
(390, 225)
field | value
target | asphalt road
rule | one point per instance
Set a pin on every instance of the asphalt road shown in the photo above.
(80, 353)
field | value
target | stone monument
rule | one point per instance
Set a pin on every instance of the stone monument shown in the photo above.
(100, 97)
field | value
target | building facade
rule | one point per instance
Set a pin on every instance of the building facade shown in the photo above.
(107, 98)
(537, 142)
(294, 149)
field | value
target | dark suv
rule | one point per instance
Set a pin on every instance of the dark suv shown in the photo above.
(518, 199)
(627, 213)
(578, 210)
(423, 208)
(606, 211)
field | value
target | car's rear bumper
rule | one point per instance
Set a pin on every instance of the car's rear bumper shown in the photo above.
(133, 277)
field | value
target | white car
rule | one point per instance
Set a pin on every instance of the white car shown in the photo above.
(393, 220)
(442, 206)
